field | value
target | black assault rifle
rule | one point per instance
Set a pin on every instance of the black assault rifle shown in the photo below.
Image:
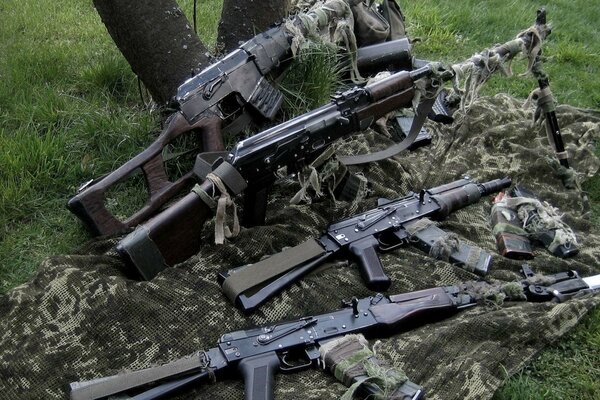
(258, 354)
(392, 224)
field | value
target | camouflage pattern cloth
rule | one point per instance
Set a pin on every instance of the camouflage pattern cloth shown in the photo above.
(81, 317)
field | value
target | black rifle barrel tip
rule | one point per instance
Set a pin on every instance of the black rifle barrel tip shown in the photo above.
(495, 185)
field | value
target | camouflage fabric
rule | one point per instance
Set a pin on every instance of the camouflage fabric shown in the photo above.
(82, 318)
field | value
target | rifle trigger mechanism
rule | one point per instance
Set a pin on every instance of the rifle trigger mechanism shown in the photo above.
(392, 240)
(302, 362)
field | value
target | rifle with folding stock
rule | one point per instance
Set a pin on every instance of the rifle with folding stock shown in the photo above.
(258, 354)
(392, 224)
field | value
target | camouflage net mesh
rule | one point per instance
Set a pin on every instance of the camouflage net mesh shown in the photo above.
(80, 317)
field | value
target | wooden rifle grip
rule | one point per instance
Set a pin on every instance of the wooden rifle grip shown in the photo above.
(89, 205)
(212, 137)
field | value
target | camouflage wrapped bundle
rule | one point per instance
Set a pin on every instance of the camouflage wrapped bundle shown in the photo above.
(82, 318)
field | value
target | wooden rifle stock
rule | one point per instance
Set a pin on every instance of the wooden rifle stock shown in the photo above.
(170, 237)
(89, 203)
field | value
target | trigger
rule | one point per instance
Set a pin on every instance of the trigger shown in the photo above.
(312, 353)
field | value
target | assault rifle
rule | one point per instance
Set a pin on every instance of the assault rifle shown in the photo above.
(223, 98)
(251, 166)
(258, 354)
(392, 224)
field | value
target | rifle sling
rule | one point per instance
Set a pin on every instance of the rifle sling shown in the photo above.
(422, 111)
(211, 162)
(143, 253)
(258, 273)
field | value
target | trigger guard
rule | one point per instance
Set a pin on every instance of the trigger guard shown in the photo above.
(385, 247)
(288, 367)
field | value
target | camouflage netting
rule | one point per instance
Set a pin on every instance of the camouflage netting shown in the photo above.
(81, 318)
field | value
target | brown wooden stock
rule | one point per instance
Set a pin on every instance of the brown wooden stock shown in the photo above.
(89, 205)
(387, 95)
(176, 231)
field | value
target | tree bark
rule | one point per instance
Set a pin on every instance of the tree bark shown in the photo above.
(241, 20)
(157, 40)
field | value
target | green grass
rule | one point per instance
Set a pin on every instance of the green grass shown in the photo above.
(568, 370)
(208, 16)
(70, 111)
(452, 31)
(311, 79)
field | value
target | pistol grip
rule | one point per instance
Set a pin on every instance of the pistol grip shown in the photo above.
(259, 375)
(370, 266)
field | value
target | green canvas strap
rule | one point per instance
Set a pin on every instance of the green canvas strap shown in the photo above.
(418, 121)
(106, 386)
(261, 272)
(210, 163)
(143, 253)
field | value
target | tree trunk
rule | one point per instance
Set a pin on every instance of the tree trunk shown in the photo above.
(156, 39)
(241, 20)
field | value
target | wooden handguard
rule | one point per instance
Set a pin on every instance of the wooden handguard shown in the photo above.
(89, 204)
